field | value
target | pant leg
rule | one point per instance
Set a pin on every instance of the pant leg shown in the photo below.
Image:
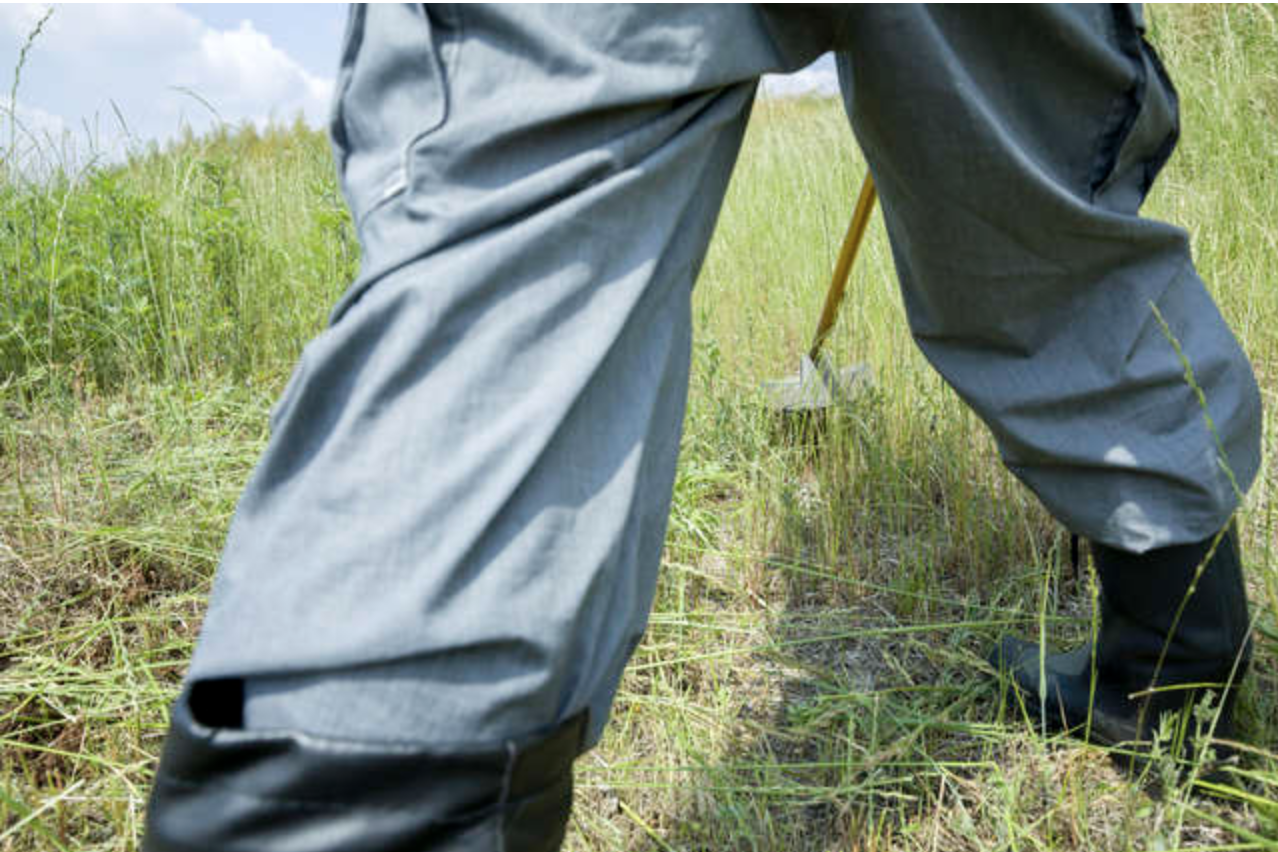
(454, 532)
(1012, 147)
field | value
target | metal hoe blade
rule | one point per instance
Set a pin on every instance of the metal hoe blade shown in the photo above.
(817, 386)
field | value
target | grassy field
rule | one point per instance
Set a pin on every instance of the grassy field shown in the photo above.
(813, 675)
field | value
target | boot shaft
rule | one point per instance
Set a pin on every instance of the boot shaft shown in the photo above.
(1175, 615)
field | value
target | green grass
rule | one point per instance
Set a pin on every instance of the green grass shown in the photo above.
(812, 677)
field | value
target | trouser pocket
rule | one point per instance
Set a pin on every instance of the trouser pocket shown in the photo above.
(1144, 124)
(391, 91)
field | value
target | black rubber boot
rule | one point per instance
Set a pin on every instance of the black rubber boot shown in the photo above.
(227, 789)
(1143, 646)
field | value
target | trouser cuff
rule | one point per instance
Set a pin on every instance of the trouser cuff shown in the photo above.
(230, 789)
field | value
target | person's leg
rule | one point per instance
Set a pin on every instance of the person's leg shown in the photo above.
(1012, 147)
(449, 548)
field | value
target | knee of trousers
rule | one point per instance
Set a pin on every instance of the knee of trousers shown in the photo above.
(221, 787)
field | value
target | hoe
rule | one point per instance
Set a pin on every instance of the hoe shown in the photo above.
(819, 384)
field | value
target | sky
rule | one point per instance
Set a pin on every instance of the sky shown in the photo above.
(104, 76)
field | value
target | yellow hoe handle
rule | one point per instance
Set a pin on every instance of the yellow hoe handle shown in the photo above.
(842, 269)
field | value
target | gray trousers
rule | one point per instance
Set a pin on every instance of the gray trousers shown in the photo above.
(453, 535)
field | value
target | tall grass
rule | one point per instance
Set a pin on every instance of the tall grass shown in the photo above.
(812, 677)
(215, 256)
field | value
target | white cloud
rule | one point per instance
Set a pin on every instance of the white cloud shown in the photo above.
(243, 72)
(31, 139)
(91, 59)
(36, 124)
(21, 18)
(820, 79)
